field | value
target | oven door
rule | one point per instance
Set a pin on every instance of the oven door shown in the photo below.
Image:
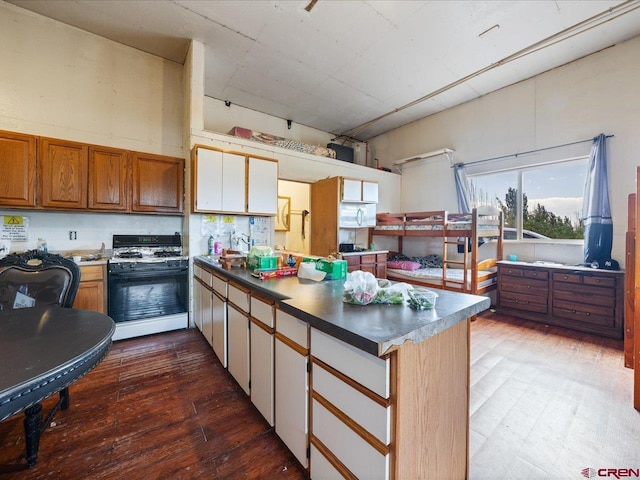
(139, 294)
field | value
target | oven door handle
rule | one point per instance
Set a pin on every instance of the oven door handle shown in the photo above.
(147, 274)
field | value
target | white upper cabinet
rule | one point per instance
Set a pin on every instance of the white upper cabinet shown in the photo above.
(359, 191)
(263, 186)
(232, 183)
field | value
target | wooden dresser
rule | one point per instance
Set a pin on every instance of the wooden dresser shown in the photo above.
(586, 299)
(368, 261)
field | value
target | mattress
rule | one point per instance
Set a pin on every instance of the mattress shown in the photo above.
(434, 275)
(282, 142)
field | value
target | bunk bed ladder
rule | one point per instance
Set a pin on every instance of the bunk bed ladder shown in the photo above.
(459, 241)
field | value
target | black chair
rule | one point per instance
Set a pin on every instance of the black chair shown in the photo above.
(30, 279)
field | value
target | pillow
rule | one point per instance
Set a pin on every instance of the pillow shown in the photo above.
(404, 265)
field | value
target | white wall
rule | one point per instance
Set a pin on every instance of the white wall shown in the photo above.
(596, 94)
(62, 82)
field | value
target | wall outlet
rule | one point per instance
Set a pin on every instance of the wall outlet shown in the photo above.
(73, 235)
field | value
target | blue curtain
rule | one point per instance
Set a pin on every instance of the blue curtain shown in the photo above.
(596, 210)
(462, 188)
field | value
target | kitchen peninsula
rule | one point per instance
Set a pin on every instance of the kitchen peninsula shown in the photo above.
(377, 391)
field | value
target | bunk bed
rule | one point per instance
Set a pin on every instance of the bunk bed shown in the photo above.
(467, 231)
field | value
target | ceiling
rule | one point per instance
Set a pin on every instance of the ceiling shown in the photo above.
(342, 65)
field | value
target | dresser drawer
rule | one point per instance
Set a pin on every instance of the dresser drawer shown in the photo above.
(512, 272)
(604, 297)
(539, 274)
(596, 316)
(368, 258)
(520, 304)
(600, 281)
(352, 260)
(525, 286)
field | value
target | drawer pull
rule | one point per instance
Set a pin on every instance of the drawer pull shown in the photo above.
(524, 303)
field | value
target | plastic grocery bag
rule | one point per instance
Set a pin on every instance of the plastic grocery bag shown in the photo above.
(363, 288)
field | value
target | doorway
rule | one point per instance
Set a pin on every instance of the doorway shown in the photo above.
(293, 225)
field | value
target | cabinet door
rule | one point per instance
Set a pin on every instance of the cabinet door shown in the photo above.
(91, 291)
(18, 167)
(197, 303)
(262, 348)
(158, 183)
(206, 300)
(351, 190)
(108, 168)
(263, 186)
(62, 171)
(208, 181)
(369, 192)
(291, 396)
(238, 353)
(233, 183)
(219, 328)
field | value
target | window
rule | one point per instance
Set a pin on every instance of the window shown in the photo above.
(540, 201)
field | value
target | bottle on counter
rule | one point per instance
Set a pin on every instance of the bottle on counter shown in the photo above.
(217, 247)
(42, 245)
(211, 245)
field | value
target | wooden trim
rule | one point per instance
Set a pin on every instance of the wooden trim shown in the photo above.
(220, 297)
(239, 286)
(263, 298)
(293, 345)
(383, 402)
(262, 325)
(331, 458)
(393, 413)
(352, 424)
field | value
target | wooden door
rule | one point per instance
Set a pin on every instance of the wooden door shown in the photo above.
(158, 183)
(62, 170)
(324, 216)
(91, 291)
(18, 167)
(108, 179)
(636, 316)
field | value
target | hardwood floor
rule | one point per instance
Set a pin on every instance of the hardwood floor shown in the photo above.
(545, 403)
(158, 407)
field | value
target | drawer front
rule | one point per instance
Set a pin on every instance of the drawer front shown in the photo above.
(583, 309)
(239, 297)
(511, 272)
(206, 277)
(367, 259)
(524, 299)
(526, 287)
(369, 414)
(352, 260)
(292, 328)
(567, 277)
(604, 297)
(197, 271)
(369, 371)
(600, 281)
(381, 257)
(262, 311)
(360, 457)
(564, 310)
(520, 304)
(540, 274)
(220, 285)
(91, 272)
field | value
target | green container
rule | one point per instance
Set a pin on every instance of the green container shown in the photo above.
(263, 263)
(336, 269)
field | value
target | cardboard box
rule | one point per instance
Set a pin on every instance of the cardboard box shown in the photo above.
(336, 269)
(262, 263)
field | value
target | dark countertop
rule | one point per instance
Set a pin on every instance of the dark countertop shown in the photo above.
(375, 329)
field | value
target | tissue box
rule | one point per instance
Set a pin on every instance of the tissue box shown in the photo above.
(269, 262)
(335, 269)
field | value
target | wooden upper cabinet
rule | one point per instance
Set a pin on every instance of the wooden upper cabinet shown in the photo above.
(108, 179)
(18, 167)
(158, 183)
(62, 169)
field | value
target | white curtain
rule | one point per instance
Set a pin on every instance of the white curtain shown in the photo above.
(462, 188)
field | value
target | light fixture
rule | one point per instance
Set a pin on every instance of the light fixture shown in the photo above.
(227, 103)
(289, 124)
(423, 156)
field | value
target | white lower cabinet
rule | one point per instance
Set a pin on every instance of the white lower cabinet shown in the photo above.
(207, 320)
(197, 305)
(238, 346)
(219, 327)
(262, 357)
(350, 410)
(292, 384)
